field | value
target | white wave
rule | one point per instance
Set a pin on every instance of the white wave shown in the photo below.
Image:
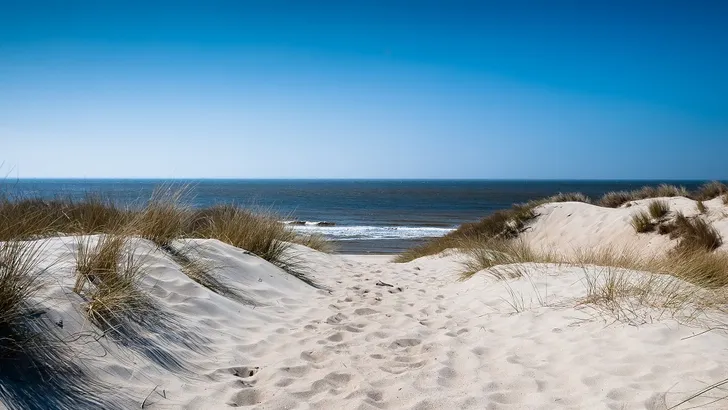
(350, 233)
(307, 223)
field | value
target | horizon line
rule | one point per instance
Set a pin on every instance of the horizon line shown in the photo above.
(6, 180)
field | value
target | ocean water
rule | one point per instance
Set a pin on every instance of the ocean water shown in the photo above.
(360, 216)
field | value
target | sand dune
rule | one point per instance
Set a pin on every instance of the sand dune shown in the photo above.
(571, 225)
(380, 335)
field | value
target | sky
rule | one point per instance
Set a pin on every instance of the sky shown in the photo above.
(364, 89)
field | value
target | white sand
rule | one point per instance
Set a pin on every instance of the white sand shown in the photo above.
(573, 225)
(428, 342)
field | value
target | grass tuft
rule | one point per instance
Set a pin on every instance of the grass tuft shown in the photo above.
(695, 234)
(569, 197)
(107, 277)
(641, 222)
(615, 199)
(658, 208)
(19, 282)
(163, 219)
(261, 234)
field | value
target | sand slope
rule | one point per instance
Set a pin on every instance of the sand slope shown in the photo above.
(567, 226)
(428, 341)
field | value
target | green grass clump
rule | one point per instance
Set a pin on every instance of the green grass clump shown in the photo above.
(658, 208)
(642, 223)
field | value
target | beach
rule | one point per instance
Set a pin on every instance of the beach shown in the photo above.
(375, 334)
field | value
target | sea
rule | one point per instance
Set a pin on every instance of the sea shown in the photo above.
(359, 216)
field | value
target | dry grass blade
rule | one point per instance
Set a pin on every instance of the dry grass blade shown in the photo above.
(606, 288)
(701, 392)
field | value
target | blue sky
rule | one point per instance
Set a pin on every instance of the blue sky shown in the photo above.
(365, 89)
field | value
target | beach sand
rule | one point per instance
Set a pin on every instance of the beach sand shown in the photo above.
(381, 335)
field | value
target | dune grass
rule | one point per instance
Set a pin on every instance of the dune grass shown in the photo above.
(701, 207)
(615, 199)
(509, 223)
(642, 222)
(695, 233)
(108, 272)
(32, 217)
(20, 281)
(505, 254)
(314, 241)
(261, 234)
(498, 225)
(164, 218)
(658, 208)
(710, 190)
(568, 197)
(695, 264)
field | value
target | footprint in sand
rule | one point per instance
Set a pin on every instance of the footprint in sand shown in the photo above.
(246, 397)
(243, 372)
(336, 337)
(336, 319)
(296, 371)
(365, 311)
(313, 356)
(404, 343)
